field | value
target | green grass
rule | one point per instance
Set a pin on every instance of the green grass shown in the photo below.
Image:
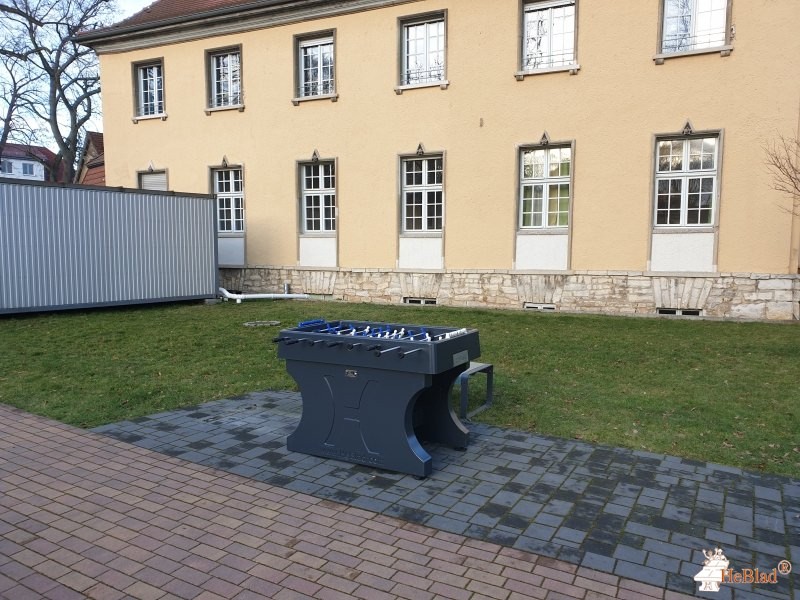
(719, 391)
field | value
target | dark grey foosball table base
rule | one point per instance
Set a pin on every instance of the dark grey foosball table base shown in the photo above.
(371, 401)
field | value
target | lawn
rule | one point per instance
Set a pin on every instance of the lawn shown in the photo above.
(719, 391)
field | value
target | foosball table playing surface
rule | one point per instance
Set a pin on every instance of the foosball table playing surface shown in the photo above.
(372, 390)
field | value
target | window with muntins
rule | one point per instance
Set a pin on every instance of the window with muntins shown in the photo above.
(149, 90)
(316, 67)
(27, 168)
(229, 188)
(548, 39)
(423, 51)
(6, 166)
(319, 197)
(423, 193)
(686, 181)
(226, 78)
(693, 25)
(545, 189)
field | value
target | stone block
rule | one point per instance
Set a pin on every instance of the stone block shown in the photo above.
(748, 311)
(775, 284)
(782, 311)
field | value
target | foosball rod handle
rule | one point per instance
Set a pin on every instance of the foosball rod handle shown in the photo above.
(406, 353)
(380, 353)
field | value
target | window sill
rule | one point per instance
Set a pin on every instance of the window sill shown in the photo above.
(318, 234)
(420, 234)
(161, 117)
(443, 84)
(331, 97)
(683, 229)
(723, 51)
(213, 109)
(230, 234)
(563, 230)
(572, 69)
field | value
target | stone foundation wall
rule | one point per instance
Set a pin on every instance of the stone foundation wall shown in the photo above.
(725, 295)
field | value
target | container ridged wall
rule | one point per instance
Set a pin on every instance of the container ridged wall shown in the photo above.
(72, 247)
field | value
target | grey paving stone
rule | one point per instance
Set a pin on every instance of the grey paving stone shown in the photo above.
(571, 535)
(737, 526)
(549, 520)
(654, 577)
(505, 498)
(526, 508)
(540, 532)
(647, 531)
(536, 546)
(736, 511)
(447, 524)
(559, 498)
(484, 520)
(629, 554)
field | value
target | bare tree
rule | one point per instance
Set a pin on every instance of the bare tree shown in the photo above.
(17, 82)
(783, 161)
(54, 81)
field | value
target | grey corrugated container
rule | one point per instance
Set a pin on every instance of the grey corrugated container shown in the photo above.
(78, 246)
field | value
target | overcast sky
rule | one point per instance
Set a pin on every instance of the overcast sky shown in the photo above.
(128, 7)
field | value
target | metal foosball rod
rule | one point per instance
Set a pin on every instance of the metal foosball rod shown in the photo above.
(380, 353)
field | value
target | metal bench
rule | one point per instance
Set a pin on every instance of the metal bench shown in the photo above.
(463, 381)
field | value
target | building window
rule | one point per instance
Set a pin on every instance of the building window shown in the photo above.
(6, 166)
(229, 188)
(423, 193)
(423, 51)
(315, 63)
(149, 89)
(27, 169)
(153, 180)
(686, 181)
(693, 25)
(548, 35)
(225, 78)
(545, 189)
(318, 182)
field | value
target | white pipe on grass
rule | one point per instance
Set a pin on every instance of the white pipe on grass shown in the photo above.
(239, 297)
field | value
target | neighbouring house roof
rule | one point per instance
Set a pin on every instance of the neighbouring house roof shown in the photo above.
(25, 152)
(92, 169)
(40, 154)
(95, 139)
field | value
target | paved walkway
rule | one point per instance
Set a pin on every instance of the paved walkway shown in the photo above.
(83, 515)
(633, 514)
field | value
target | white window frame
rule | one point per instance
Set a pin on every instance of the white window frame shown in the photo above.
(674, 175)
(28, 169)
(225, 78)
(318, 197)
(430, 215)
(546, 57)
(150, 97)
(228, 185)
(311, 81)
(6, 166)
(430, 63)
(531, 178)
(689, 30)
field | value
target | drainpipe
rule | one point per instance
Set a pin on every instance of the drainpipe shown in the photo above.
(239, 297)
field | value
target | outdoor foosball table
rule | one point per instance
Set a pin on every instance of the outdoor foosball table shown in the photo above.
(370, 391)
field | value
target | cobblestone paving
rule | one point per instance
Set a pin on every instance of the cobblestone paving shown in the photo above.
(632, 514)
(86, 516)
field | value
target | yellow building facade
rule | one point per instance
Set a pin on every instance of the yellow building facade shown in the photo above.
(561, 155)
